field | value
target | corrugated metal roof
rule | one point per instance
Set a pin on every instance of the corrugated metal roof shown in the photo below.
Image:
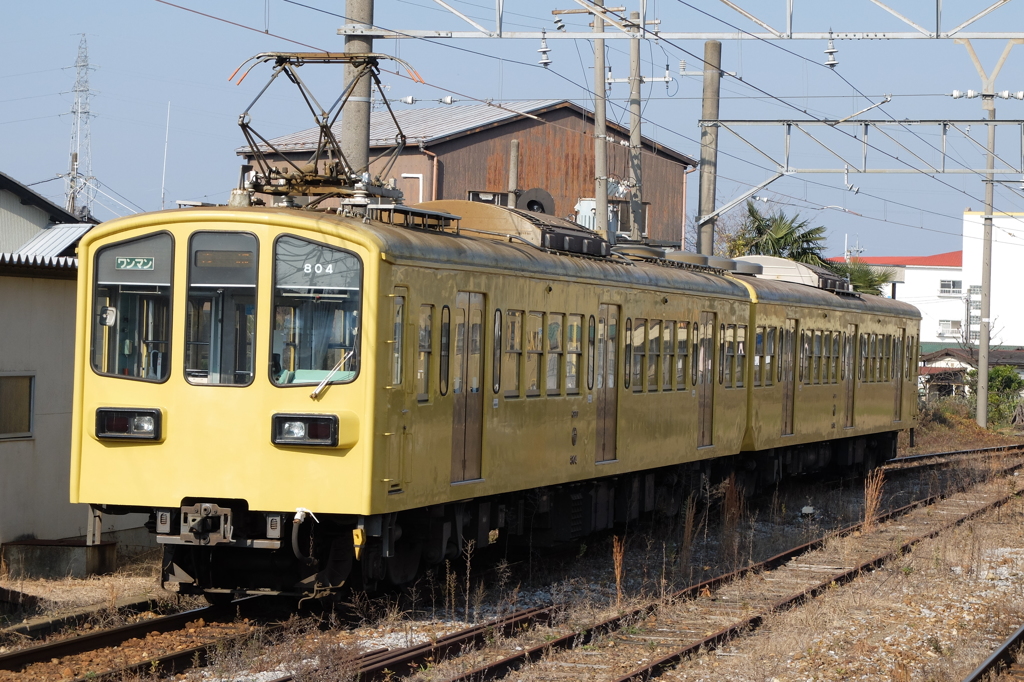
(430, 125)
(61, 262)
(53, 241)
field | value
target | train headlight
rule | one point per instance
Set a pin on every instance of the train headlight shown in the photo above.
(127, 423)
(305, 429)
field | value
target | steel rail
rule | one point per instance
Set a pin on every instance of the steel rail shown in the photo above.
(1000, 659)
(16, 660)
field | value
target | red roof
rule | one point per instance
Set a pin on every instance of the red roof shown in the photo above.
(952, 259)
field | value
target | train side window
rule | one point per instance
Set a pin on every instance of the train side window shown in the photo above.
(729, 364)
(496, 359)
(639, 350)
(667, 349)
(741, 354)
(695, 355)
(424, 344)
(835, 357)
(629, 353)
(758, 354)
(890, 344)
(769, 355)
(721, 354)
(682, 353)
(816, 376)
(398, 329)
(554, 348)
(653, 353)
(131, 314)
(534, 352)
(513, 352)
(591, 342)
(842, 348)
(862, 370)
(803, 357)
(573, 353)
(446, 336)
(826, 357)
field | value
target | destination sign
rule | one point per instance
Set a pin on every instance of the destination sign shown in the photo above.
(126, 263)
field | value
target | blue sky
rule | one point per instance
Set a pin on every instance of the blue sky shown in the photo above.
(147, 54)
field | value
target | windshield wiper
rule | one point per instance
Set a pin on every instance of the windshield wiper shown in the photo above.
(320, 387)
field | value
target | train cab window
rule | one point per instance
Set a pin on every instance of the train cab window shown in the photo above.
(220, 317)
(573, 353)
(653, 353)
(682, 353)
(131, 320)
(446, 351)
(513, 352)
(591, 358)
(769, 354)
(534, 352)
(553, 341)
(741, 354)
(424, 330)
(667, 349)
(496, 360)
(639, 351)
(397, 332)
(317, 303)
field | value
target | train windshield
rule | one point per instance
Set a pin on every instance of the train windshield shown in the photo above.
(317, 297)
(220, 322)
(131, 308)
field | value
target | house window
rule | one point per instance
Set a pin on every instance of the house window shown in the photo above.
(950, 286)
(949, 327)
(975, 290)
(16, 406)
(975, 335)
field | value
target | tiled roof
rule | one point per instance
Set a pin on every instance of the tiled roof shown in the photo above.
(434, 124)
(950, 259)
(53, 241)
(1013, 358)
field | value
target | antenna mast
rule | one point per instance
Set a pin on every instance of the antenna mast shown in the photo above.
(77, 188)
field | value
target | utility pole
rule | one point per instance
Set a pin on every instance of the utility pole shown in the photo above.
(355, 133)
(637, 227)
(600, 134)
(709, 146)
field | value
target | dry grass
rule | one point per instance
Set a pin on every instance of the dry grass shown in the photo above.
(873, 484)
(618, 560)
(948, 425)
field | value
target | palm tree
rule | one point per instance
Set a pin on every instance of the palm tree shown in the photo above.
(864, 278)
(777, 234)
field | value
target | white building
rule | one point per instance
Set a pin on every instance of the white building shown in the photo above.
(1007, 323)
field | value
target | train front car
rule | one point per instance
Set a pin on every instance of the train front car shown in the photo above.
(220, 380)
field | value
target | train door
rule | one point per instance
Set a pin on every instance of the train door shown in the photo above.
(706, 379)
(788, 368)
(849, 371)
(467, 386)
(897, 372)
(606, 388)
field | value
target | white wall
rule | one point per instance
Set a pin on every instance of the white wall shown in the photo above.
(921, 289)
(18, 222)
(1007, 325)
(37, 336)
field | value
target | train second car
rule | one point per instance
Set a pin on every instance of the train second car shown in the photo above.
(302, 400)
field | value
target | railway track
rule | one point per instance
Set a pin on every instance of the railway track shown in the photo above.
(933, 460)
(647, 640)
(704, 605)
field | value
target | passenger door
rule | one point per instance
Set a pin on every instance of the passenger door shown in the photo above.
(849, 370)
(396, 393)
(467, 386)
(606, 386)
(706, 379)
(788, 375)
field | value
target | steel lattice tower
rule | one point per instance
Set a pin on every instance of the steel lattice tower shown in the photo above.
(78, 189)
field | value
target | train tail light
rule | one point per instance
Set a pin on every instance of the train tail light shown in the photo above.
(128, 424)
(305, 429)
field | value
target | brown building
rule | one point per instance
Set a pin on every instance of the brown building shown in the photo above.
(454, 150)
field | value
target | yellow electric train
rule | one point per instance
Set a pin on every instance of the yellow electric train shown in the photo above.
(302, 399)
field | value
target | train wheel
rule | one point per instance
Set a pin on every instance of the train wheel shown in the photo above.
(404, 567)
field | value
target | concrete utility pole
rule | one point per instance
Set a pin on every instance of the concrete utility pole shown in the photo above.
(513, 172)
(638, 222)
(355, 133)
(709, 146)
(600, 134)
